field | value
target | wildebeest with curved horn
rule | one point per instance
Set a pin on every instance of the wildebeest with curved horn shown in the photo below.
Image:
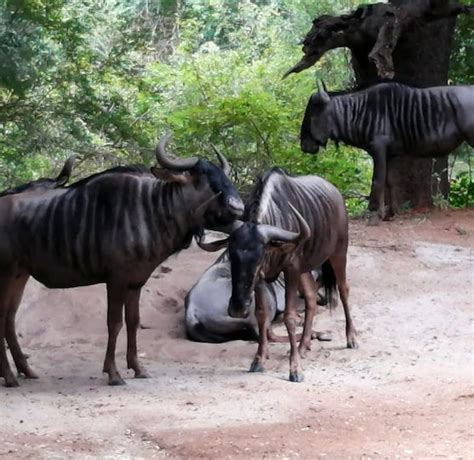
(388, 120)
(294, 225)
(115, 228)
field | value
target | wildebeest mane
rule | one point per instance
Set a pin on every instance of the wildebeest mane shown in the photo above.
(20, 188)
(129, 169)
(252, 204)
(372, 84)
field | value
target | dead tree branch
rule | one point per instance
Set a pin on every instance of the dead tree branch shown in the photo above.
(376, 27)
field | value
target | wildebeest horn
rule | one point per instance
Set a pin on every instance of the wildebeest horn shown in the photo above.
(224, 163)
(182, 164)
(323, 93)
(65, 173)
(271, 233)
(305, 231)
(324, 85)
(213, 246)
(219, 244)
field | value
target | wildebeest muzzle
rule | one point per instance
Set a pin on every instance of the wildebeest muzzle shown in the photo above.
(311, 145)
(239, 308)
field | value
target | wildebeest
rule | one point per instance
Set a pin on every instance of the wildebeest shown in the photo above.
(206, 303)
(115, 228)
(44, 183)
(295, 224)
(388, 120)
(37, 185)
(206, 317)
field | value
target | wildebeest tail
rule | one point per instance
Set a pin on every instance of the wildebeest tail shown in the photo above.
(328, 280)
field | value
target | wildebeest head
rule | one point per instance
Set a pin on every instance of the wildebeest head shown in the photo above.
(225, 204)
(45, 183)
(248, 243)
(315, 129)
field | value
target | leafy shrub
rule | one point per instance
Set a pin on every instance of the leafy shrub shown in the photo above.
(461, 193)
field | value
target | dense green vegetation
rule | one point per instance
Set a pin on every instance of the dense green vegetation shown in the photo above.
(105, 79)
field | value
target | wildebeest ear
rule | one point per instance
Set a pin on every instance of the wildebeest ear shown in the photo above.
(65, 173)
(172, 176)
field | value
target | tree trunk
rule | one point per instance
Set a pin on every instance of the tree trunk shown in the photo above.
(420, 58)
(409, 41)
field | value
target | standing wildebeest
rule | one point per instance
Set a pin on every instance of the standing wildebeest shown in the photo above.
(37, 185)
(388, 120)
(295, 224)
(115, 228)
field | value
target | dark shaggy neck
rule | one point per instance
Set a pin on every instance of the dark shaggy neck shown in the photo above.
(350, 121)
(320, 204)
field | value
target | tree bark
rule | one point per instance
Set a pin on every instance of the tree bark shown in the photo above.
(409, 41)
(421, 58)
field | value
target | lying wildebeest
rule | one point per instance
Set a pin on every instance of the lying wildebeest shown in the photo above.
(295, 224)
(37, 185)
(206, 316)
(115, 228)
(388, 120)
(206, 303)
(44, 183)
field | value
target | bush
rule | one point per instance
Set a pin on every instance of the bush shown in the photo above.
(461, 193)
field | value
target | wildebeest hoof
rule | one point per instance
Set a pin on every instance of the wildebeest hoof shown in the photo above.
(256, 366)
(296, 376)
(142, 375)
(31, 375)
(116, 382)
(374, 220)
(352, 343)
(323, 336)
(322, 300)
(11, 382)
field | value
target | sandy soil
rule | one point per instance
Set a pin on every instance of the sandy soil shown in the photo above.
(407, 392)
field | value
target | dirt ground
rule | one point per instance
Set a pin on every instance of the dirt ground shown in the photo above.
(407, 392)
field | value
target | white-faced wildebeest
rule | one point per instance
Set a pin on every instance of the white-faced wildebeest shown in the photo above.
(388, 120)
(295, 225)
(115, 228)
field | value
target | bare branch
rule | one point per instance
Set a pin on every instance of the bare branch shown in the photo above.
(376, 27)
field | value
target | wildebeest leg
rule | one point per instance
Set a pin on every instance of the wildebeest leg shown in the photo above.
(309, 289)
(261, 313)
(5, 369)
(377, 190)
(392, 192)
(338, 262)
(115, 300)
(292, 279)
(132, 319)
(14, 300)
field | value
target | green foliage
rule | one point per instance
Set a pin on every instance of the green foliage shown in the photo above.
(462, 58)
(461, 193)
(105, 79)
